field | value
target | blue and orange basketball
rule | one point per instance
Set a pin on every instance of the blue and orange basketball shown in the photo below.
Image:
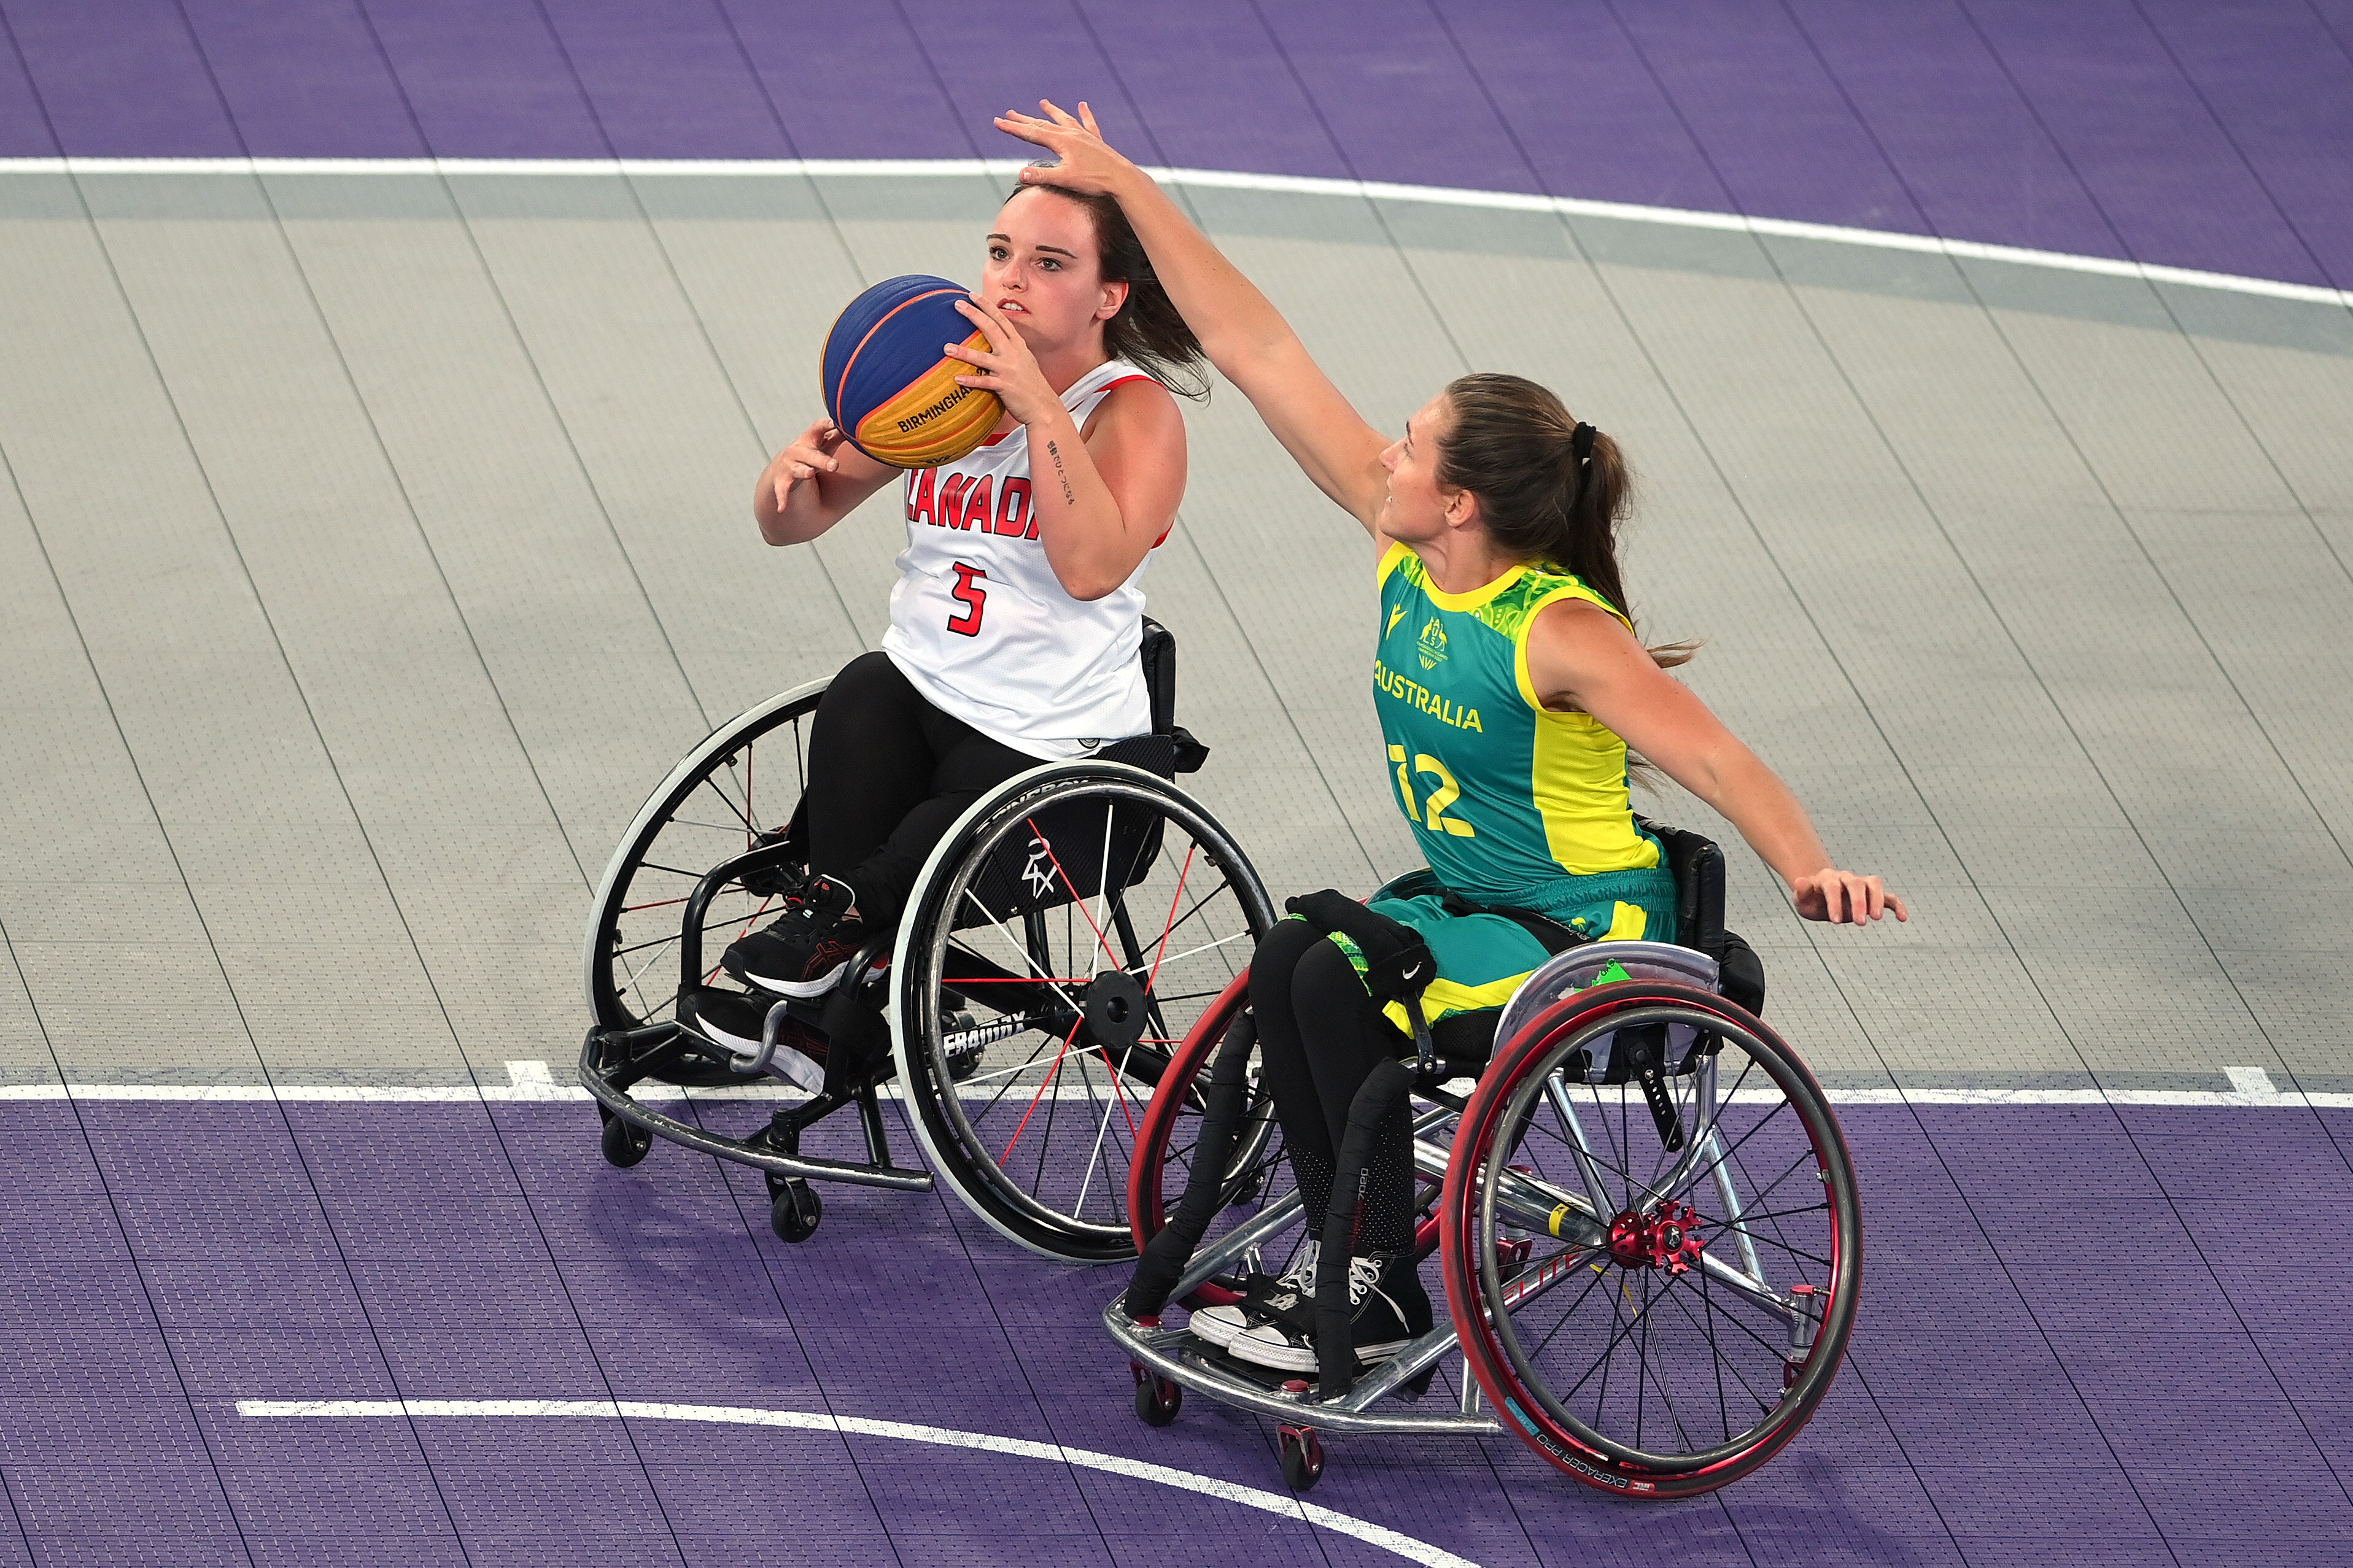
(889, 388)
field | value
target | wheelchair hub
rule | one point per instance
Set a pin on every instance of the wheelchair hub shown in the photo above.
(1116, 1012)
(1668, 1240)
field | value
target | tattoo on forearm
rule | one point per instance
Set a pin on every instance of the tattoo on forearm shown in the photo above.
(1069, 496)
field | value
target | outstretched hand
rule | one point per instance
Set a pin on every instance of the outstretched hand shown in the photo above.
(1089, 165)
(1842, 897)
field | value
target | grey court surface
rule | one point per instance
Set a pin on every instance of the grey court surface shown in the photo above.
(373, 541)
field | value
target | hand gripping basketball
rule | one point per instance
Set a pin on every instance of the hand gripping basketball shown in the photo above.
(890, 391)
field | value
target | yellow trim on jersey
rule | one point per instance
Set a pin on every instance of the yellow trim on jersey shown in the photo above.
(1444, 997)
(1572, 590)
(1627, 922)
(1391, 560)
(1575, 756)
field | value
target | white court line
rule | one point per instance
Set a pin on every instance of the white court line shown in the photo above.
(2251, 1088)
(1208, 179)
(1389, 1539)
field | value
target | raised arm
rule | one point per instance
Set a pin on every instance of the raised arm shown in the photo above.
(1580, 656)
(813, 484)
(1243, 334)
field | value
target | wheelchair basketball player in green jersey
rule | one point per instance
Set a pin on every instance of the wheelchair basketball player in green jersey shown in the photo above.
(1509, 684)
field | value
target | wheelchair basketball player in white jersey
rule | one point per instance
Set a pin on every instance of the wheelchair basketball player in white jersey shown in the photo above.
(1016, 621)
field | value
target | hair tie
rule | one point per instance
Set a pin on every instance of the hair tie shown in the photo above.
(1580, 442)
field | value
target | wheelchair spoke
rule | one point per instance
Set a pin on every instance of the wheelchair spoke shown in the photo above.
(1052, 1073)
(1077, 898)
(1039, 971)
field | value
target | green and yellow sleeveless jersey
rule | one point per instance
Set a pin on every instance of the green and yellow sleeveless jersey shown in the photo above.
(1509, 801)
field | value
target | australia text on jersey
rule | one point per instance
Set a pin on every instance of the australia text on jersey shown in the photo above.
(962, 501)
(1439, 708)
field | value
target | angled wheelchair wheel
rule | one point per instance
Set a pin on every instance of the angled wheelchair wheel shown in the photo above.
(740, 782)
(1063, 941)
(1650, 1240)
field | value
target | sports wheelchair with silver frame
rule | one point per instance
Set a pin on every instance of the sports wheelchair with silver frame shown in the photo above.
(1644, 1212)
(1058, 945)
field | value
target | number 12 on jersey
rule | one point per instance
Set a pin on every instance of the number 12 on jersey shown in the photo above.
(1432, 811)
(968, 593)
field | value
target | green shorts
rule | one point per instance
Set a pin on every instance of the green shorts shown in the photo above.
(1482, 959)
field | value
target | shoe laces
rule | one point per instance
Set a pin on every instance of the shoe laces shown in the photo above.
(1365, 1280)
(1301, 1275)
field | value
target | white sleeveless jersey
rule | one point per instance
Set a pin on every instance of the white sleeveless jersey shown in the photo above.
(984, 630)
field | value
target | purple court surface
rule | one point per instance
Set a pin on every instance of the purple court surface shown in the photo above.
(2086, 1337)
(2181, 133)
(322, 1331)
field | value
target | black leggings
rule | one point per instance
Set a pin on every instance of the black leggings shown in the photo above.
(1319, 1034)
(888, 776)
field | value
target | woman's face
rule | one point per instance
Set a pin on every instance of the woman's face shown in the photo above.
(1417, 507)
(1043, 270)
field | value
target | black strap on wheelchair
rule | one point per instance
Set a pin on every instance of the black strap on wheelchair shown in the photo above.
(1397, 963)
(1164, 1258)
(1556, 936)
(1382, 1092)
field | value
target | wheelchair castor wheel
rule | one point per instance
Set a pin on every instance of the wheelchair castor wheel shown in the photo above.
(1303, 1455)
(624, 1142)
(1157, 1400)
(793, 1212)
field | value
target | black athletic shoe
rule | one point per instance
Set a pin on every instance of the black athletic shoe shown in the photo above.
(735, 1020)
(804, 953)
(1389, 1311)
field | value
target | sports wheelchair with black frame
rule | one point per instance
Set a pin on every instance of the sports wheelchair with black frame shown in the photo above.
(1643, 1210)
(1058, 945)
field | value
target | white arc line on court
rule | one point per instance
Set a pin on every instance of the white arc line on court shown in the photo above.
(1214, 179)
(1379, 1536)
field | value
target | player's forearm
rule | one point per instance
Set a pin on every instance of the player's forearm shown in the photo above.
(1238, 326)
(1754, 799)
(806, 514)
(1080, 524)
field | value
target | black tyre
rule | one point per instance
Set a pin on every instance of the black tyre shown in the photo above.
(1157, 1400)
(794, 1212)
(1302, 1452)
(1072, 928)
(738, 785)
(625, 1143)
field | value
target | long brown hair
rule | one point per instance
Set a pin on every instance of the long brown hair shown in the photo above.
(1149, 332)
(1514, 446)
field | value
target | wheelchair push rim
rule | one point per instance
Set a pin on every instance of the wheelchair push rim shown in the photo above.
(740, 780)
(1074, 957)
(1654, 1280)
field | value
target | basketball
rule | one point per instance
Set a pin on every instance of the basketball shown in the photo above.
(887, 386)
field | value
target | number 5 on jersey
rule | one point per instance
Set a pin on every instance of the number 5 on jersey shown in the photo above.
(1432, 811)
(968, 593)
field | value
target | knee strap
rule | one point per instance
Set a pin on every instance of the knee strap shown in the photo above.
(1383, 1091)
(1164, 1258)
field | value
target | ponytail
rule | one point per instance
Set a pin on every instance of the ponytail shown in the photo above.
(1551, 489)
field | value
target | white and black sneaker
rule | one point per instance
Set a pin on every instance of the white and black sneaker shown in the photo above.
(737, 1021)
(805, 952)
(1388, 1310)
(1218, 1325)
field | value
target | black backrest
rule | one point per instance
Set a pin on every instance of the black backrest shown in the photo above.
(1698, 868)
(1160, 674)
